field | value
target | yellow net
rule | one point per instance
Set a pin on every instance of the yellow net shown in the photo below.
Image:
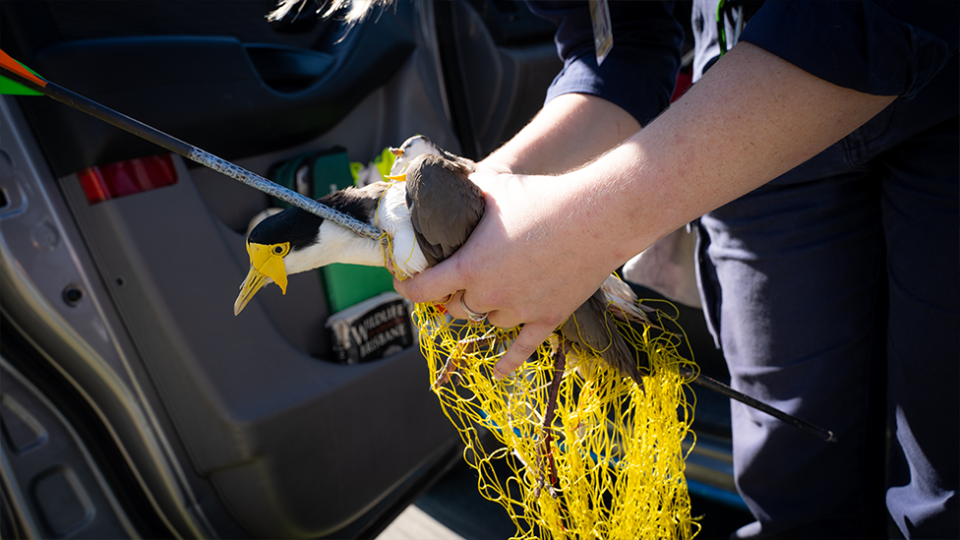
(605, 462)
(609, 463)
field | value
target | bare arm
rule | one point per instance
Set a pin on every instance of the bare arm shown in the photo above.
(547, 243)
(571, 130)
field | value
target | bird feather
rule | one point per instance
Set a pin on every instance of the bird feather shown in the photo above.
(445, 206)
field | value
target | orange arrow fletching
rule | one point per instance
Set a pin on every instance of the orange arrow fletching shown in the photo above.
(9, 64)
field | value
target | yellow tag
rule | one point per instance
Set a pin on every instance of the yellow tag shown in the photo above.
(602, 29)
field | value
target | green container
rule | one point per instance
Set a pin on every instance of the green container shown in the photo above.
(350, 284)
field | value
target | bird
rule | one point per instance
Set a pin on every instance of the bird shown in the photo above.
(428, 216)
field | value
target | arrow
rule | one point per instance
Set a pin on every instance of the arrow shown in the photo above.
(20, 80)
(724, 390)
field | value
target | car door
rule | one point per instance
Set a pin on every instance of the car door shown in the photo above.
(134, 402)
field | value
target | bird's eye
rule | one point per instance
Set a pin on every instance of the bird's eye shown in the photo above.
(279, 250)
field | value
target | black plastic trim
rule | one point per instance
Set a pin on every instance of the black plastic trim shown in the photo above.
(457, 92)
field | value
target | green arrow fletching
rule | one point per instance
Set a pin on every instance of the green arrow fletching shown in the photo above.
(11, 88)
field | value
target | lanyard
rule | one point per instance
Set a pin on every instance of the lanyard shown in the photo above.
(737, 12)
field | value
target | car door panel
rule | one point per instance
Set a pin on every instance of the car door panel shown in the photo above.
(293, 444)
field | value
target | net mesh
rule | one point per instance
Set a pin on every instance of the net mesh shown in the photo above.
(607, 463)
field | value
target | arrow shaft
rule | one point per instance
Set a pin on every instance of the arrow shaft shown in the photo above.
(191, 152)
(719, 387)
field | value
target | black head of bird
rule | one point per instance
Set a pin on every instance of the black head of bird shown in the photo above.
(295, 241)
(421, 211)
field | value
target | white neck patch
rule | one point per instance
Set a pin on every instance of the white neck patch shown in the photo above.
(338, 245)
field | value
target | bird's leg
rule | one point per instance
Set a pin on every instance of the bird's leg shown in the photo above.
(546, 449)
(464, 347)
(448, 369)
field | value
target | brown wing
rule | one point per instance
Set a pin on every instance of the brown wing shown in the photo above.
(592, 327)
(445, 206)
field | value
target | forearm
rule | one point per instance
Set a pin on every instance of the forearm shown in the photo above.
(750, 119)
(571, 130)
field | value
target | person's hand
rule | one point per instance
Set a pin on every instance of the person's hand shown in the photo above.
(532, 260)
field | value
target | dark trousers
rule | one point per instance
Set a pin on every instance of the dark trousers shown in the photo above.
(835, 293)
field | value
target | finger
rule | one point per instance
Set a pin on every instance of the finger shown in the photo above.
(442, 301)
(433, 284)
(530, 337)
(453, 306)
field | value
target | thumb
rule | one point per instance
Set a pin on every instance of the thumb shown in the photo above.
(432, 284)
(530, 337)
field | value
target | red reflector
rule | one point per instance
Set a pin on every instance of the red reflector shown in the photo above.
(105, 182)
(93, 185)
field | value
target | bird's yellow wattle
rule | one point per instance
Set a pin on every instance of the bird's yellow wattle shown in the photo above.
(266, 261)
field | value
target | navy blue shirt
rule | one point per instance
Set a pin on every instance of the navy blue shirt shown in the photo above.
(885, 48)
(641, 70)
(903, 48)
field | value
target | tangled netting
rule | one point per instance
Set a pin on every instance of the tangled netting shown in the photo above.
(610, 465)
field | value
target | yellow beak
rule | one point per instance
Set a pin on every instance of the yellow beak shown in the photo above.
(265, 262)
